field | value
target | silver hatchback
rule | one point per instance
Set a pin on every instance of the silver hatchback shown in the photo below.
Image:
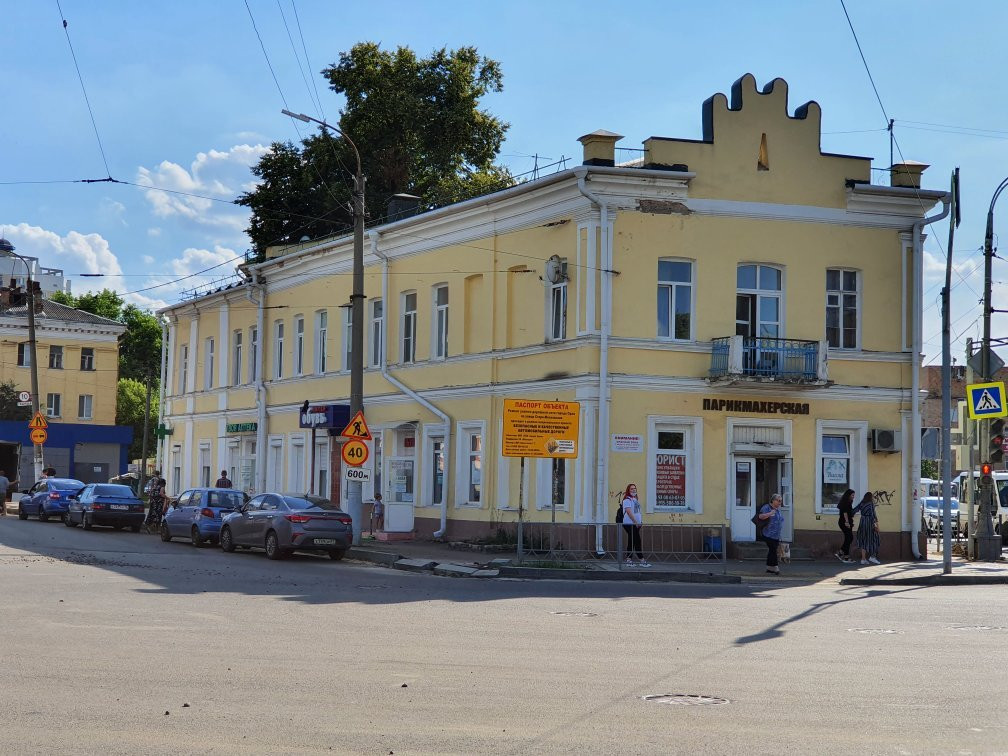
(284, 523)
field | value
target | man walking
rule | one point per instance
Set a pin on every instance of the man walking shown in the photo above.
(223, 481)
(5, 484)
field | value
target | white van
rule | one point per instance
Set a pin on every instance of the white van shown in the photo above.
(960, 484)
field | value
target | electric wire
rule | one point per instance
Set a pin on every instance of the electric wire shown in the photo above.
(297, 56)
(304, 47)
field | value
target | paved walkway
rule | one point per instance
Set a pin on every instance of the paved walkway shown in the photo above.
(442, 558)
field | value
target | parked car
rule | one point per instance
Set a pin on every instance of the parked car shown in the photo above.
(198, 512)
(49, 497)
(933, 515)
(105, 504)
(284, 523)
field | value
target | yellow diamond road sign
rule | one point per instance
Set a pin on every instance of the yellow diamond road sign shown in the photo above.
(38, 422)
(986, 400)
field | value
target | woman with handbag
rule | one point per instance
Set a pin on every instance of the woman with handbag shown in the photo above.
(632, 525)
(868, 530)
(846, 523)
(773, 522)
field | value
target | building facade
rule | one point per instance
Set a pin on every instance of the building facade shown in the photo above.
(735, 316)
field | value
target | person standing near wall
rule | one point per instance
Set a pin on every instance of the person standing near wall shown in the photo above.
(846, 524)
(632, 522)
(774, 522)
(5, 485)
(868, 530)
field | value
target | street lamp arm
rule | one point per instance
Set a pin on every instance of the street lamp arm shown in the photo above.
(324, 124)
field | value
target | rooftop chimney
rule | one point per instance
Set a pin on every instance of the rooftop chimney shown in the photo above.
(600, 147)
(907, 174)
(401, 206)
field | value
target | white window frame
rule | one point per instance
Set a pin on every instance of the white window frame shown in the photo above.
(758, 293)
(857, 449)
(408, 328)
(321, 339)
(253, 371)
(840, 294)
(296, 472)
(464, 433)
(439, 322)
(183, 368)
(208, 364)
(544, 484)
(204, 466)
(274, 471)
(557, 331)
(347, 355)
(299, 345)
(237, 354)
(429, 435)
(24, 354)
(87, 360)
(278, 348)
(692, 427)
(85, 407)
(377, 332)
(672, 287)
(55, 357)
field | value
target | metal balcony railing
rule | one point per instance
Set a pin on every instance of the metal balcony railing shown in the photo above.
(766, 358)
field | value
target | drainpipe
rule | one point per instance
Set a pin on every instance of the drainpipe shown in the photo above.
(256, 285)
(439, 533)
(602, 450)
(159, 452)
(915, 418)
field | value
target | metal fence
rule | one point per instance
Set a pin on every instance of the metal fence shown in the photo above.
(663, 546)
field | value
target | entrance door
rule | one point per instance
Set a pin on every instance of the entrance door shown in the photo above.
(784, 477)
(744, 500)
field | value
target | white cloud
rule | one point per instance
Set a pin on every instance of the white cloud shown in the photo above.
(194, 260)
(75, 253)
(148, 260)
(154, 231)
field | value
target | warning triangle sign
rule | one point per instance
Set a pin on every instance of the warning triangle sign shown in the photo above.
(357, 428)
(38, 421)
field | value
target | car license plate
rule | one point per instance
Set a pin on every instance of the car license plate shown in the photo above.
(119, 506)
(325, 541)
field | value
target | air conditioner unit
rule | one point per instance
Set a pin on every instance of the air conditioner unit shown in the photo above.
(886, 440)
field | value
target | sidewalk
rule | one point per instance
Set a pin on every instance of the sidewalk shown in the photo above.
(442, 559)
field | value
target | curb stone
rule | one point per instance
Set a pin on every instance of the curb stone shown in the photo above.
(415, 565)
(455, 570)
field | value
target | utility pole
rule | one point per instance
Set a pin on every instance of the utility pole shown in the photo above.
(354, 505)
(971, 484)
(143, 452)
(946, 445)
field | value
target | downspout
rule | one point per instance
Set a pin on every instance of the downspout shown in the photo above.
(915, 418)
(602, 450)
(257, 286)
(439, 533)
(162, 380)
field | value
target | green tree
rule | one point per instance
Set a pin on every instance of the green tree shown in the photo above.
(105, 303)
(130, 398)
(140, 346)
(929, 469)
(9, 409)
(419, 129)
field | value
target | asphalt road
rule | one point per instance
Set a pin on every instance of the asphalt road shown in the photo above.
(117, 643)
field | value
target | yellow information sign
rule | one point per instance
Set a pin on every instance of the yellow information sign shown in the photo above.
(534, 428)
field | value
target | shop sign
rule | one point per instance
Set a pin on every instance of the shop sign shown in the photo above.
(763, 408)
(535, 428)
(670, 480)
(631, 443)
(242, 427)
(323, 415)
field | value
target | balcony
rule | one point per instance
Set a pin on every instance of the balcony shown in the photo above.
(745, 359)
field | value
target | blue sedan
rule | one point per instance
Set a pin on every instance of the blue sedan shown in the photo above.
(50, 497)
(198, 512)
(105, 504)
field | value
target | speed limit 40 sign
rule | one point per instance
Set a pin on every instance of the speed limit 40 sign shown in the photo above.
(355, 453)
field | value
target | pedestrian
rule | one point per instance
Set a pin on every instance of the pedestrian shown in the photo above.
(772, 531)
(632, 522)
(156, 500)
(5, 485)
(868, 530)
(378, 513)
(846, 523)
(223, 481)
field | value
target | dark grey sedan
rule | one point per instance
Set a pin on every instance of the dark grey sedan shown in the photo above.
(284, 523)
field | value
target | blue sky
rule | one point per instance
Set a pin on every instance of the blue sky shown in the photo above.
(183, 99)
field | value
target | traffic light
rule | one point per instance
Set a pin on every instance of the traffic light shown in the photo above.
(997, 439)
(985, 474)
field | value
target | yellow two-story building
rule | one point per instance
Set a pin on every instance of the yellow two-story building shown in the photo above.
(736, 316)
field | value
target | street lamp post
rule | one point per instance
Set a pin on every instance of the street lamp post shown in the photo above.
(354, 504)
(7, 250)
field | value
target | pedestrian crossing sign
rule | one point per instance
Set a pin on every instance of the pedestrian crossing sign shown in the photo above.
(986, 400)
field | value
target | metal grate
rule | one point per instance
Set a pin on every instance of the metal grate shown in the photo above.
(685, 699)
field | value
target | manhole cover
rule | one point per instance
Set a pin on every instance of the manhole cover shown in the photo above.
(980, 627)
(685, 699)
(873, 631)
(574, 614)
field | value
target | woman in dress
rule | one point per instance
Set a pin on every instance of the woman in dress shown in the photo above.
(846, 523)
(867, 530)
(773, 522)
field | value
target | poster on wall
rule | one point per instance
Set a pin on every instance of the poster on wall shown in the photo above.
(835, 471)
(670, 480)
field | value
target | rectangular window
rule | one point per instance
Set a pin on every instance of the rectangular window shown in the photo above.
(675, 299)
(87, 358)
(53, 405)
(183, 368)
(85, 404)
(409, 304)
(299, 345)
(347, 337)
(377, 333)
(253, 370)
(475, 472)
(440, 321)
(24, 354)
(236, 358)
(321, 337)
(557, 329)
(674, 465)
(56, 357)
(842, 305)
(278, 349)
(841, 461)
(836, 469)
(208, 365)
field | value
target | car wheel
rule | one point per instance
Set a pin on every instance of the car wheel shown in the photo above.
(67, 521)
(165, 533)
(273, 550)
(22, 515)
(85, 522)
(337, 554)
(226, 542)
(195, 537)
(43, 516)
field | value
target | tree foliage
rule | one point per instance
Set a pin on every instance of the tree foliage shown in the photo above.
(419, 129)
(9, 409)
(929, 469)
(131, 396)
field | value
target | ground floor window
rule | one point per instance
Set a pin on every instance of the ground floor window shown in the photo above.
(469, 470)
(434, 467)
(204, 464)
(841, 450)
(674, 464)
(551, 484)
